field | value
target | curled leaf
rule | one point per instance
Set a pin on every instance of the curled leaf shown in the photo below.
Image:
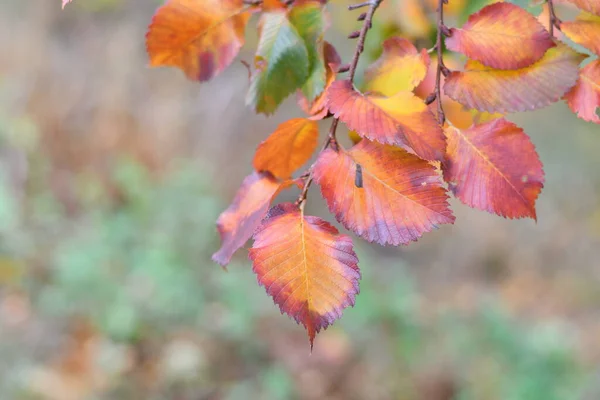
(201, 37)
(400, 68)
(400, 196)
(585, 30)
(251, 203)
(501, 35)
(494, 167)
(584, 98)
(402, 119)
(529, 88)
(288, 148)
(306, 266)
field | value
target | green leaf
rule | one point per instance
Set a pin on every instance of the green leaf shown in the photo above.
(281, 63)
(309, 20)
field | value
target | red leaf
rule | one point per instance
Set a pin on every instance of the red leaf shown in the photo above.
(288, 148)
(494, 167)
(529, 88)
(306, 266)
(251, 203)
(402, 119)
(584, 98)
(400, 196)
(503, 36)
(201, 37)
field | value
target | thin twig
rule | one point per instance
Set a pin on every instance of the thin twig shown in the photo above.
(554, 21)
(441, 68)
(360, 46)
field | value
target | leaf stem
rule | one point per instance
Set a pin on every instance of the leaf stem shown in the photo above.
(360, 46)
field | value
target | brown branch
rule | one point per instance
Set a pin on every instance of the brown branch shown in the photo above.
(360, 46)
(553, 19)
(442, 30)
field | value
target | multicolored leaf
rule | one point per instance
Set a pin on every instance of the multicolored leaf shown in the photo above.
(399, 198)
(201, 37)
(306, 266)
(281, 63)
(251, 203)
(400, 68)
(288, 148)
(317, 109)
(529, 88)
(585, 30)
(494, 167)
(402, 119)
(309, 20)
(502, 36)
(592, 6)
(584, 98)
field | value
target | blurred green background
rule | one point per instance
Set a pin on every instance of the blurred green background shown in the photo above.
(112, 176)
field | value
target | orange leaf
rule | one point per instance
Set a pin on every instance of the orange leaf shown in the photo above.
(318, 109)
(503, 36)
(529, 88)
(585, 30)
(201, 37)
(592, 6)
(494, 167)
(288, 148)
(251, 203)
(402, 119)
(400, 68)
(306, 266)
(399, 196)
(584, 98)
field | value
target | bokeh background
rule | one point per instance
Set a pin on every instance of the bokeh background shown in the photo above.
(113, 174)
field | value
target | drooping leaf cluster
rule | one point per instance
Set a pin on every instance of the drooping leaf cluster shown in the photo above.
(420, 130)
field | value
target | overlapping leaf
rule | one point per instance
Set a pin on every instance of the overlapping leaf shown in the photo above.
(592, 6)
(502, 36)
(399, 198)
(317, 109)
(402, 119)
(529, 88)
(400, 68)
(585, 30)
(281, 63)
(584, 98)
(288, 148)
(309, 20)
(306, 266)
(201, 37)
(494, 167)
(251, 203)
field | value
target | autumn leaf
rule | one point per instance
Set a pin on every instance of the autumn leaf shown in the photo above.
(281, 63)
(309, 20)
(584, 98)
(201, 37)
(306, 266)
(592, 6)
(317, 109)
(529, 88)
(400, 68)
(585, 30)
(494, 167)
(402, 119)
(400, 196)
(502, 36)
(288, 148)
(251, 203)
